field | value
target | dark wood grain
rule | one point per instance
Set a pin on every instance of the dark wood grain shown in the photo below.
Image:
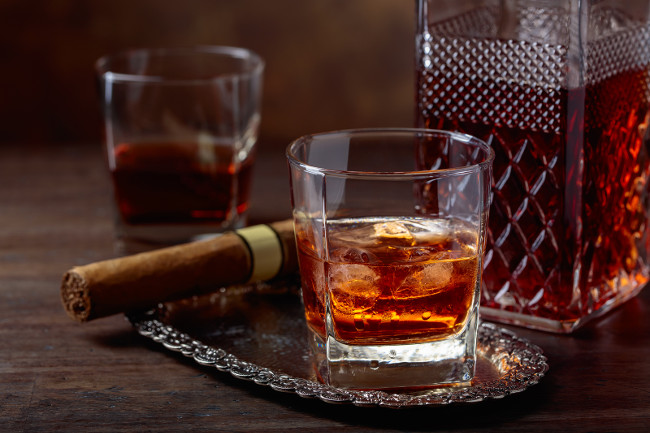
(57, 375)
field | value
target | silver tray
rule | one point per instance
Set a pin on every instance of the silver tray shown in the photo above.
(259, 334)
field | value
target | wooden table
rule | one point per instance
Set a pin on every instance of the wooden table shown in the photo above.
(57, 375)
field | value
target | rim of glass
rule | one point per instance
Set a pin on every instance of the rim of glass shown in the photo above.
(396, 175)
(102, 65)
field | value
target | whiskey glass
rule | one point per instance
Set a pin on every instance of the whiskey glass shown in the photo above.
(390, 228)
(181, 127)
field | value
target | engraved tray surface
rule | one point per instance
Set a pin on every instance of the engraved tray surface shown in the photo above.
(259, 334)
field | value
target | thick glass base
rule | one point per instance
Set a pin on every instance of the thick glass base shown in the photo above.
(442, 362)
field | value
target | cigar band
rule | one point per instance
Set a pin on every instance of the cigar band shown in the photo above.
(266, 251)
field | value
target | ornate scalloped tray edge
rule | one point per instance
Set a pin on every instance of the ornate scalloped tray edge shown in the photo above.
(506, 363)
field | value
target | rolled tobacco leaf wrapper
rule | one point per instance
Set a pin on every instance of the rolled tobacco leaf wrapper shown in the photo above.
(256, 253)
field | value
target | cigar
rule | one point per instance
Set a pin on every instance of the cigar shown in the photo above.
(140, 281)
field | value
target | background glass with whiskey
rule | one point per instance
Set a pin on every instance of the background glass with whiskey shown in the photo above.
(390, 228)
(560, 90)
(181, 126)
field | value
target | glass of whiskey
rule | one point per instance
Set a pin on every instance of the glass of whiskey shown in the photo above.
(181, 126)
(391, 228)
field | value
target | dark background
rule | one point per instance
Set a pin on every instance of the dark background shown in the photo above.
(331, 64)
